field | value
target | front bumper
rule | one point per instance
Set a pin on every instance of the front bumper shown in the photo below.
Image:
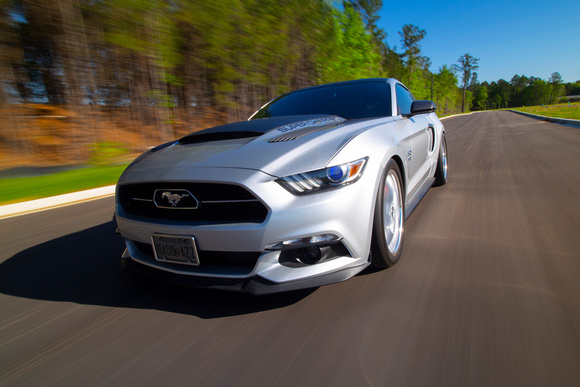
(254, 285)
(345, 212)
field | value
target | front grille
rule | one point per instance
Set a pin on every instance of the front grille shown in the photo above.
(246, 260)
(218, 203)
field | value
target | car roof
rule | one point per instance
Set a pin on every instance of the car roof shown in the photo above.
(364, 80)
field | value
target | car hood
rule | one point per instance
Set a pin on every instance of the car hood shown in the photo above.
(277, 146)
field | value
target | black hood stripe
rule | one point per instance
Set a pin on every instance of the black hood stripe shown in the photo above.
(259, 127)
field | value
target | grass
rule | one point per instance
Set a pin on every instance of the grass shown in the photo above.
(19, 189)
(559, 111)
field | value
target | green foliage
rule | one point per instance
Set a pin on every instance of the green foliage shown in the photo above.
(227, 56)
(230, 55)
(572, 88)
(521, 91)
(480, 98)
(107, 152)
(468, 100)
(445, 90)
(353, 54)
(467, 66)
(410, 37)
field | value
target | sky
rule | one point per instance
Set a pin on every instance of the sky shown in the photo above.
(531, 38)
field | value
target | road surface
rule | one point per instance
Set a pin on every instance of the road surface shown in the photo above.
(487, 292)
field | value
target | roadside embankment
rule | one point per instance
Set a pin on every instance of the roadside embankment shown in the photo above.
(565, 121)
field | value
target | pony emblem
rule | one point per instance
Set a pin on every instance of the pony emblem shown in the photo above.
(173, 199)
(178, 199)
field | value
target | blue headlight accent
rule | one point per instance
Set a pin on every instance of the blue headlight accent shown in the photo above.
(336, 174)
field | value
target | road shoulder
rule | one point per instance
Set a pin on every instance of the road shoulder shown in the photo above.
(17, 209)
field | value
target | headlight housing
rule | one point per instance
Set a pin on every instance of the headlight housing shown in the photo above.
(323, 179)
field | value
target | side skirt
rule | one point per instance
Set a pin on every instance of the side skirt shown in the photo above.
(418, 196)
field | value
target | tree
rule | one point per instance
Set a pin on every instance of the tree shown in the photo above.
(499, 94)
(556, 83)
(519, 83)
(445, 89)
(410, 38)
(480, 99)
(369, 9)
(467, 65)
(536, 92)
(572, 88)
(352, 54)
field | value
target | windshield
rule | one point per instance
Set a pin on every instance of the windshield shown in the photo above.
(350, 100)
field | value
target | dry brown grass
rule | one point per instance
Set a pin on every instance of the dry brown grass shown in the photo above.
(36, 134)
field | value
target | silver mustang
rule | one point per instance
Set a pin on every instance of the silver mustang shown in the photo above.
(311, 190)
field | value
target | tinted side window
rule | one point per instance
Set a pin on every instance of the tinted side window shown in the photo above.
(404, 100)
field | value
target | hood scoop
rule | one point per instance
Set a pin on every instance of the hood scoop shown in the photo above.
(218, 136)
(303, 128)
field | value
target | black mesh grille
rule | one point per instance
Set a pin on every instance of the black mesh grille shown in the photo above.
(222, 203)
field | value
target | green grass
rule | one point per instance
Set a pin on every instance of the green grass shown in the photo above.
(559, 111)
(19, 189)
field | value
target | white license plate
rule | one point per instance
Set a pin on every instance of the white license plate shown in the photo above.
(175, 248)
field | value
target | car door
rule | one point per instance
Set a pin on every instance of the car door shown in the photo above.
(421, 139)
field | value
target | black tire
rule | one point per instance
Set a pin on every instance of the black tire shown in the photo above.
(387, 238)
(442, 168)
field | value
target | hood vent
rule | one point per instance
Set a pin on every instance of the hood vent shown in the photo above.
(218, 136)
(302, 128)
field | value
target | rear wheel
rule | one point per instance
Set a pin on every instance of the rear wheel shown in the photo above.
(387, 239)
(441, 171)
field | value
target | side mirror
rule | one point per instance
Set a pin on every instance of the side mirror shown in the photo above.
(422, 107)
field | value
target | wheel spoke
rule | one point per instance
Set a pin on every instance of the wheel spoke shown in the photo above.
(392, 213)
(444, 157)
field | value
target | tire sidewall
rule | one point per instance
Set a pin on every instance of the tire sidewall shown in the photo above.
(381, 256)
(440, 175)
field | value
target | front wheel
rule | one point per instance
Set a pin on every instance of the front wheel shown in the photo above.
(387, 238)
(441, 171)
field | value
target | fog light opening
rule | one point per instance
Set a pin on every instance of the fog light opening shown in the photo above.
(299, 243)
(310, 255)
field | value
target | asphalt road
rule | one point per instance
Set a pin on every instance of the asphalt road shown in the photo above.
(487, 292)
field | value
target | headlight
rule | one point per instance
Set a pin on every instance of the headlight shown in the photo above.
(323, 179)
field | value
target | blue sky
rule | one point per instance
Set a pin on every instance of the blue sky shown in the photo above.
(532, 38)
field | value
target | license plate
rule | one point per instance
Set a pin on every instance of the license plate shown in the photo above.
(175, 248)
